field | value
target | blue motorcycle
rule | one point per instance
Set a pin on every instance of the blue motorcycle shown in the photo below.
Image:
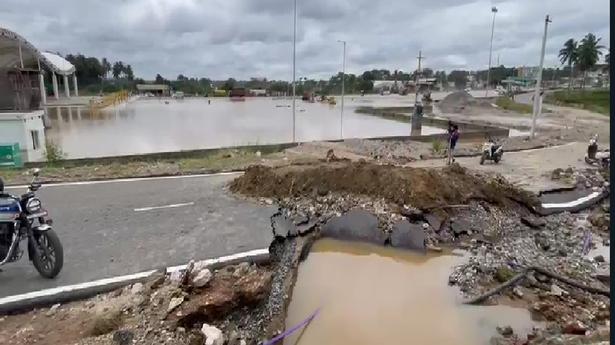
(23, 217)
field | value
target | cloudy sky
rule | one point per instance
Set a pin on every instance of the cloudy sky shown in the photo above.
(253, 38)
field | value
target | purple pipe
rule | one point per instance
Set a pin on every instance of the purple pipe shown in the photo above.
(292, 330)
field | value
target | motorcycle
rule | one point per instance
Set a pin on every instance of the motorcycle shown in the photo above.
(595, 157)
(492, 152)
(23, 217)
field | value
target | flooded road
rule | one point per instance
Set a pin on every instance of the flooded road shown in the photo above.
(153, 125)
(375, 295)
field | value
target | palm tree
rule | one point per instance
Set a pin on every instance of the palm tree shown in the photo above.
(106, 67)
(589, 53)
(568, 54)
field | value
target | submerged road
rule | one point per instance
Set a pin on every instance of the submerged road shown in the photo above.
(113, 228)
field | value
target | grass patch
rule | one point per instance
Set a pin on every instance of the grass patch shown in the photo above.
(508, 104)
(437, 147)
(593, 100)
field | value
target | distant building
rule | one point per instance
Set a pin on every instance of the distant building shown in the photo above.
(258, 92)
(158, 90)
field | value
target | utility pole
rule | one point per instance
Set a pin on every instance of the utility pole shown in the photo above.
(536, 109)
(343, 82)
(418, 71)
(294, 66)
(494, 10)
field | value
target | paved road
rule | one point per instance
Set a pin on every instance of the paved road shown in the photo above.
(530, 169)
(103, 235)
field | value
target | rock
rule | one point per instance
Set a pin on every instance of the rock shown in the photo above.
(541, 278)
(213, 336)
(54, 308)
(202, 278)
(123, 337)
(253, 287)
(575, 327)
(506, 331)
(268, 201)
(556, 290)
(137, 288)
(435, 221)
(599, 258)
(408, 236)
(181, 330)
(174, 303)
(413, 214)
(533, 222)
(198, 267)
(556, 174)
(176, 277)
(517, 291)
(562, 252)
(355, 225)
(460, 226)
(241, 269)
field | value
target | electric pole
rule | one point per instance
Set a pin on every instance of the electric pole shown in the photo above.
(418, 72)
(536, 110)
(294, 66)
(494, 10)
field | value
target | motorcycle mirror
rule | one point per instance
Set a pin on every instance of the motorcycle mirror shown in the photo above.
(36, 172)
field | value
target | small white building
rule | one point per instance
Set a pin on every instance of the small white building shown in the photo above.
(27, 130)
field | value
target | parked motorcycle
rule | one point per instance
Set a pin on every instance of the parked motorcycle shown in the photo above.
(595, 157)
(23, 217)
(492, 152)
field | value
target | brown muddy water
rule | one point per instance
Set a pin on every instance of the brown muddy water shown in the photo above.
(375, 295)
(152, 125)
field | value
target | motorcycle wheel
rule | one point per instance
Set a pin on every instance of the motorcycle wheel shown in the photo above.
(496, 159)
(482, 158)
(48, 266)
(588, 161)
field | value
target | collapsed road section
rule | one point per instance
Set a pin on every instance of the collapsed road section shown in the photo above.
(356, 240)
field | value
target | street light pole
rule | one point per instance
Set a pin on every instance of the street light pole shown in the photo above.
(494, 10)
(536, 110)
(343, 85)
(294, 66)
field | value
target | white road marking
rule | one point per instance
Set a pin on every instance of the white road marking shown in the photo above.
(119, 279)
(135, 179)
(255, 252)
(163, 206)
(572, 203)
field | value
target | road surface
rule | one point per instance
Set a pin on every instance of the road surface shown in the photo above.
(530, 169)
(115, 228)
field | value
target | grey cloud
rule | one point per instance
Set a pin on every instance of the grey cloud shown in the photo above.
(245, 38)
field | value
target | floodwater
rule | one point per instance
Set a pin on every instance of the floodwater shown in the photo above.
(370, 294)
(154, 125)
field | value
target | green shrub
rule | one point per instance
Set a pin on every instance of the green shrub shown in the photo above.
(437, 146)
(53, 153)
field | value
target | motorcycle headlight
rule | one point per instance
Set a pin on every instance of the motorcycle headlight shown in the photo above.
(33, 205)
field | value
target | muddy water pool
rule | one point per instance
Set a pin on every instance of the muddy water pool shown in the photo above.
(153, 125)
(369, 294)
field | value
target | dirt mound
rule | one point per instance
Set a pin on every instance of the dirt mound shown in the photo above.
(459, 101)
(421, 188)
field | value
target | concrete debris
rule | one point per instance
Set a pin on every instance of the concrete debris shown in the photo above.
(533, 222)
(54, 308)
(575, 327)
(213, 335)
(557, 291)
(174, 303)
(137, 288)
(202, 278)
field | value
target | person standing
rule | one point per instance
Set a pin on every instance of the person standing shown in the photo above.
(452, 142)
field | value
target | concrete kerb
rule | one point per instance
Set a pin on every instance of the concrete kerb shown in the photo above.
(69, 293)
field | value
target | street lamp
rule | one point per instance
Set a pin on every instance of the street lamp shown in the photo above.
(494, 10)
(294, 65)
(343, 82)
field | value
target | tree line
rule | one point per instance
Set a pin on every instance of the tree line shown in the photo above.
(583, 55)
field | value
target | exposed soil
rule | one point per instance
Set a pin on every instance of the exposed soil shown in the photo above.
(420, 188)
(460, 101)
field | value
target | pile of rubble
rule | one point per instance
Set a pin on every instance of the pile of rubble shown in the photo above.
(198, 305)
(586, 178)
